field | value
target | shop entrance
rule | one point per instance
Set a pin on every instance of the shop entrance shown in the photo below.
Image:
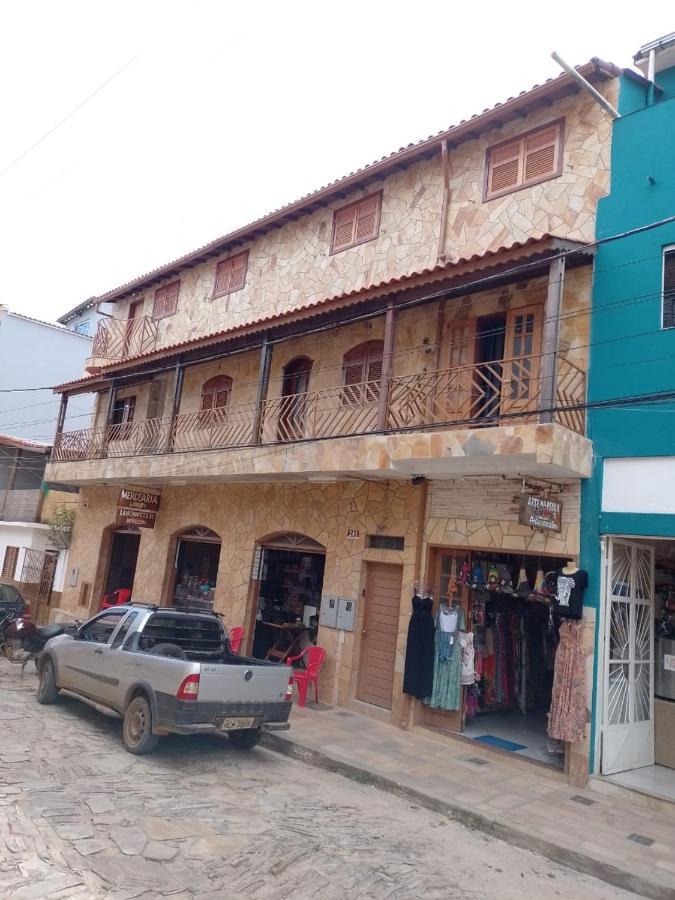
(195, 569)
(287, 582)
(638, 709)
(122, 561)
(507, 610)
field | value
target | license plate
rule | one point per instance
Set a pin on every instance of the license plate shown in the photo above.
(236, 723)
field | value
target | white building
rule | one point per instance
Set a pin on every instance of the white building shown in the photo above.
(35, 355)
(84, 317)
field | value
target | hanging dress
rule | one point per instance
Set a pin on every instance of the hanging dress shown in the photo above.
(567, 717)
(418, 675)
(447, 690)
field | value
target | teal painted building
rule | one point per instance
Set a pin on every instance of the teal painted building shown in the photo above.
(628, 505)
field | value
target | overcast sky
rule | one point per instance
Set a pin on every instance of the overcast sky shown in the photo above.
(206, 115)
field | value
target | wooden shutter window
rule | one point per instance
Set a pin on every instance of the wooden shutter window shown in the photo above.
(216, 392)
(524, 161)
(362, 372)
(356, 223)
(231, 274)
(166, 300)
(215, 397)
(541, 154)
(505, 168)
(9, 562)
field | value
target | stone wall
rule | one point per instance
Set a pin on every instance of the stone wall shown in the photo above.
(245, 514)
(293, 266)
(476, 513)
(482, 512)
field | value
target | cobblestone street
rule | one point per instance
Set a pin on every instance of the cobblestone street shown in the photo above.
(80, 817)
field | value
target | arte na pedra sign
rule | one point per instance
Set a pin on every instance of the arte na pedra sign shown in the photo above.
(137, 508)
(546, 515)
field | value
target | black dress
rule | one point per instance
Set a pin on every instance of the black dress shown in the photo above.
(418, 676)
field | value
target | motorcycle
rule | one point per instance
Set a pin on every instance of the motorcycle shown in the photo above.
(25, 641)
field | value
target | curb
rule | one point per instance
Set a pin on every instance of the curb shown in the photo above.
(498, 828)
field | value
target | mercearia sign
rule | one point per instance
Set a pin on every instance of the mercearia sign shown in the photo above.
(540, 513)
(137, 508)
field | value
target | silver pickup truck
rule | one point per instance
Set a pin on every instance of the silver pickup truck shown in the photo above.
(166, 670)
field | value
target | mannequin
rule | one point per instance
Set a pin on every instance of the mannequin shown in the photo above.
(571, 583)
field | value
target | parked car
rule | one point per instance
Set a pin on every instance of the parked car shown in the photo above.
(12, 601)
(164, 670)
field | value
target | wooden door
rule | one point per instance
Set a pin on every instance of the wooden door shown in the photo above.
(154, 437)
(294, 400)
(521, 384)
(132, 339)
(457, 385)
(378, 636)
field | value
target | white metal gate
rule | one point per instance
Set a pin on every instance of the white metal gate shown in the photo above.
(628, 719)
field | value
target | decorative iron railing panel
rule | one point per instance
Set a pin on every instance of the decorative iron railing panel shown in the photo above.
(482, 395)
(122, 338)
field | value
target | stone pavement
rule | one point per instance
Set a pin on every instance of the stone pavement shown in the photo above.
(530, 806)
(81, 818)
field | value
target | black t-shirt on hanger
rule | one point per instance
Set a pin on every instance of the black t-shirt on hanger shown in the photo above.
(569, 593)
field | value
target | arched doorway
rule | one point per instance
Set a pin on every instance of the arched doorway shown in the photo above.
(286, 585)
(195, 570)
(294, 401)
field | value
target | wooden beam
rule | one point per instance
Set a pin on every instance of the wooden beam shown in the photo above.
(175, 406)
(552, 307)
(263, 385)
(388, 352)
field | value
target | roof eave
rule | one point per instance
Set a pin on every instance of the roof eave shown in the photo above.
(545, 246)
(466, 130)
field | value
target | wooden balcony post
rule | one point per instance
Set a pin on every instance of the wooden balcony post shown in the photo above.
(60, 422)
(556, 281)
(108, 417)
(387, 355)
(263, 385)
(175, 405)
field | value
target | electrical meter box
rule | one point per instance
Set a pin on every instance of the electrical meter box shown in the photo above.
(328, 612)
(346, 614)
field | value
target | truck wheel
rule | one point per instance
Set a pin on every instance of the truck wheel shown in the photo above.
(47, 691)
(244, 739)
(137, 728)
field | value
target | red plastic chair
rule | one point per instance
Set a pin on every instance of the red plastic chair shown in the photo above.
(235, 637)
(116, 598)
(314, 658)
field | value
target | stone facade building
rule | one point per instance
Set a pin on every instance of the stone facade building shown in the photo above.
(349, 397)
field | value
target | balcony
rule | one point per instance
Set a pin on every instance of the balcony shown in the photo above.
(463, 420)
(118, 339)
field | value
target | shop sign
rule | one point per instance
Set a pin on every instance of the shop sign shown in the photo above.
(540, 513)
(137, 508)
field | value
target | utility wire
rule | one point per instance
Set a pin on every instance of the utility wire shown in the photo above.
(69, 115)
